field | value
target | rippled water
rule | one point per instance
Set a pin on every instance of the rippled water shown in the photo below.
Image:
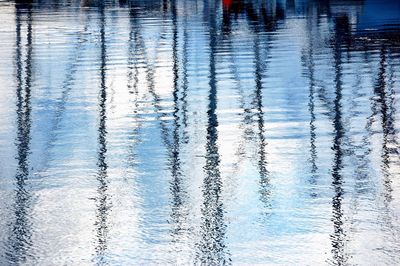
(200, 132)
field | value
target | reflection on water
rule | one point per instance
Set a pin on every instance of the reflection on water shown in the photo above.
(212, 247)
(102, 199)
(20, 236)
(199, 132)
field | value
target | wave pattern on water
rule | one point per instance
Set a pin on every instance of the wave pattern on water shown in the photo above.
(199, 132)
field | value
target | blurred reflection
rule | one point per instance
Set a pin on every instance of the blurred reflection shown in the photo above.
(179, 193)
(263, 15)
(185, 85)
(265, 189)
(338, 238)
(150, 70)
(259, 85)
(385, 100)
(212, 248)
(20, 240)
(309, 64)
(103, 198)
(384, 110)
(133, 83)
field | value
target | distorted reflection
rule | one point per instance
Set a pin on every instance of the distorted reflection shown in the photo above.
(338, 237)
(212, 249)
(20, 239)
(199, 132)
(179, 195)
(103, 198)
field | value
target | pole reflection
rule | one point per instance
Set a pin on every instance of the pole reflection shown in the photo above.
(338, 237)
(389, 151)
(103, 203)
(385, 101)
(212, 248)
(185, 82)
(308, 61)
(182, 99)
(20, 240)
(265, 189)
(133, 83)
(240, 154)
(179, 207)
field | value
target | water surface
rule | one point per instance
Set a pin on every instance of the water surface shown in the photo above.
(200, 132)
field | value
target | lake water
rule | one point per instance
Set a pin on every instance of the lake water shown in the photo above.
(208, 132)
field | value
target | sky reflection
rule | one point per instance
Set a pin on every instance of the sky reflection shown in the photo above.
(208, 132)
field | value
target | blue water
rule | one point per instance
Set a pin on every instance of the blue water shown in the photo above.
(201, 132)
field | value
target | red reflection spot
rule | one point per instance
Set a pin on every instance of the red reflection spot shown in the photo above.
(227, 3)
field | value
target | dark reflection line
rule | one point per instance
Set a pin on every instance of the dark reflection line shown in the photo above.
(173, 148)
(20, 240)
(338, 236)
(133, 81)
(212, 248)
(342, 38)
(185, 81)
(175, 168)
(385, 99)
(156, 103)
(323, 95)
(247, 115)
(165, 6)
(150, 78)
(179, 212)
(392, 132)
(387, 122)
(389, 155)
(382, 104)
(383, 110)
(255, 109)
(363, 187)
(133, 70)
(309, 63)
(326, 102)
(321, 92)
(179, 194)
(380, 91)
(206, 8)
(103, 199)
(150, 75)
(265, 190)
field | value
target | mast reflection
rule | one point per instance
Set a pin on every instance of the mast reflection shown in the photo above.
(179, 194)
(385, 101)
(20, 240)
(308, 61)
(385, 96)
(338, 237)
(212, 248)
(265, 189)
(133, 81)
(103, 199)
